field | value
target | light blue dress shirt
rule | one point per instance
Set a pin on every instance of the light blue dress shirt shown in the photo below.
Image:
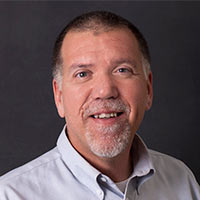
(63, 174)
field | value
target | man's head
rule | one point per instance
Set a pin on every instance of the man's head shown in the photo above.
(100, 85)
(98, 21)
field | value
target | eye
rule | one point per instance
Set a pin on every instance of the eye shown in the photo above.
(123, 70)
(82, 74)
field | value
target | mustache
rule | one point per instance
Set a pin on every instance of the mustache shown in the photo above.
(96, 106)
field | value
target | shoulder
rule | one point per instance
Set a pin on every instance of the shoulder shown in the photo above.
(171, 170)
(165, 159)
(164, 162)
(31, 169)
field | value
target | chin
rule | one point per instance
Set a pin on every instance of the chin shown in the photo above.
(110, 142)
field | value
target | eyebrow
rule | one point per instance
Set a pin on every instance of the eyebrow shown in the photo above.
(79, 65)
(123, 61)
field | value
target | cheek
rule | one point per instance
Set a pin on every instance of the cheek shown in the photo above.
(74, 98)
(136, 97)
(135, 93)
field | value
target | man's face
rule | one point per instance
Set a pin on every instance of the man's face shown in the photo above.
(104, 92)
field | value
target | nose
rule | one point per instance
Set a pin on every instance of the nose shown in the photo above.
(105, 88)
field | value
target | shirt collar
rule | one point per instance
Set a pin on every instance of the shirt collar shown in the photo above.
(141, 158)
(80, 168)
(143, 168)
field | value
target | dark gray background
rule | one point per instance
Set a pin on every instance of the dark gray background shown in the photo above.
(28, 117)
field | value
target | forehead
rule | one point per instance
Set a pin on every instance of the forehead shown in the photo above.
(109, 43)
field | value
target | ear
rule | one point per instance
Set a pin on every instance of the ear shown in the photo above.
(149, 91)
(58, 98)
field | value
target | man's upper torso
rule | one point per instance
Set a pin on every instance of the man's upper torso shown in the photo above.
(63, 174)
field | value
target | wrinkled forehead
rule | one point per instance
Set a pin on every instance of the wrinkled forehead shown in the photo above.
(95, 38)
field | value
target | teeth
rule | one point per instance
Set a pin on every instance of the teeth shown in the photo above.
(105, 115)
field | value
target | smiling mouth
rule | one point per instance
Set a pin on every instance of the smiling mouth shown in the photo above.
(106, 115)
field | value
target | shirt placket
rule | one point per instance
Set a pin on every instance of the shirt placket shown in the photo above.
(131, 192)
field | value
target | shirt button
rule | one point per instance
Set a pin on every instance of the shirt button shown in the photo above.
(100, 192)
(104, 179)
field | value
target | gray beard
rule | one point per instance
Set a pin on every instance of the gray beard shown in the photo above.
(109, 141)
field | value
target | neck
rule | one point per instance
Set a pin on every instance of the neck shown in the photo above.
(118, 168)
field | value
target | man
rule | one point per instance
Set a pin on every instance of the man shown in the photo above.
(102, 87)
